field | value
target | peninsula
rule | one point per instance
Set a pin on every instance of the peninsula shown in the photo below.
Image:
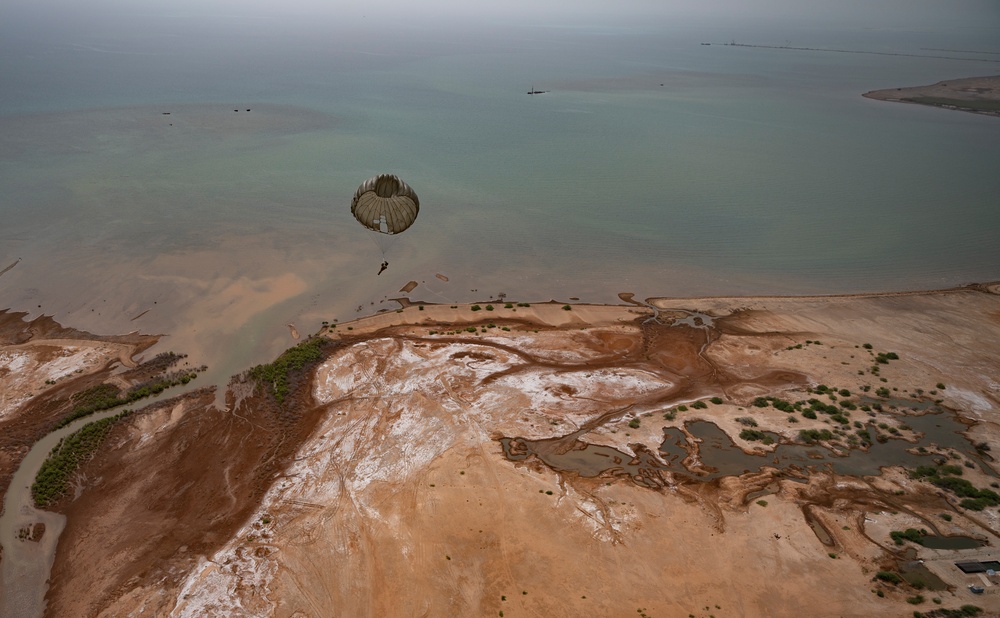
(980, 95)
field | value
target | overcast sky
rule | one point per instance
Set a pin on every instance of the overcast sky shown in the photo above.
(877, 13)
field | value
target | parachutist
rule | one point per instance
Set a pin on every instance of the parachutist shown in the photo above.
(384, 266)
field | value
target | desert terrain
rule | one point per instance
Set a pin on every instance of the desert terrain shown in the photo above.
(667, 457)
(980, 95)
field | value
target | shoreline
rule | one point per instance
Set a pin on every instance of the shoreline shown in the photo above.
(548, 312)
(977, 95)
(537, 373)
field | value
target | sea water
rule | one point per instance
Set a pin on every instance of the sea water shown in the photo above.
(135, 197)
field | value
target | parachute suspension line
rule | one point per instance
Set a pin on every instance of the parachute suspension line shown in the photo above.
(377, 239)
(382, 241)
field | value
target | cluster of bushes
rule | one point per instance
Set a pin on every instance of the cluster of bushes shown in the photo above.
(107, 396)
(884, 358)
(808, 408)
(779, 404)
(100, 397)
(812, 436)
(798, 346)
(944, 476)
(275, 375)
(889, 577)
(973, 498)
(52, 481)
(910, 534)
(962, 612)
(755, 435)
(936, 471)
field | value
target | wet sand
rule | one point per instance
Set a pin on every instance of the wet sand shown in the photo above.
(980, 95)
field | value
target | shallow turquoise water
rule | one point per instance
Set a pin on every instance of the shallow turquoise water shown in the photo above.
(654, 165)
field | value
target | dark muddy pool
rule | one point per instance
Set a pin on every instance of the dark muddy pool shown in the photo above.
(951, 542)
(720, 457)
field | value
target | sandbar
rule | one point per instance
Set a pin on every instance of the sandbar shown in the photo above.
(979, 95)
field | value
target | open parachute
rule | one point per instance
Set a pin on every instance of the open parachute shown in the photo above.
(386, 205)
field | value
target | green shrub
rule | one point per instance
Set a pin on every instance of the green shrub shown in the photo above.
(749, 421)
(476, 308)
(108, 396)
(634, 423)
(716, 400)
(700, 405)
(274, 376)
(975, 504)
(781, 404)
(755, 435)
(811, 436)
(964, 489)
(52, 480)
(910, 534)
(889, 577)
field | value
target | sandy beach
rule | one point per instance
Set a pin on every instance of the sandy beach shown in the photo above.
(980, 95)
(554, 459)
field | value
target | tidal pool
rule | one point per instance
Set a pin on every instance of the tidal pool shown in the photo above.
(720, 457)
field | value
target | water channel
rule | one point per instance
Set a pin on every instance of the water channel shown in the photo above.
(26, 564)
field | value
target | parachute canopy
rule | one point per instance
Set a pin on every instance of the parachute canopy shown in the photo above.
(385, 204)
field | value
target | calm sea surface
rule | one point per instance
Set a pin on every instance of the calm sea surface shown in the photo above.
(653, 164)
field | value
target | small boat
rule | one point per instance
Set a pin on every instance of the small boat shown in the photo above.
(533, 91)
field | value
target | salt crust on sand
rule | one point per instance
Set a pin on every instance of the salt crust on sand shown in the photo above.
(22, 370)
(385, 430)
